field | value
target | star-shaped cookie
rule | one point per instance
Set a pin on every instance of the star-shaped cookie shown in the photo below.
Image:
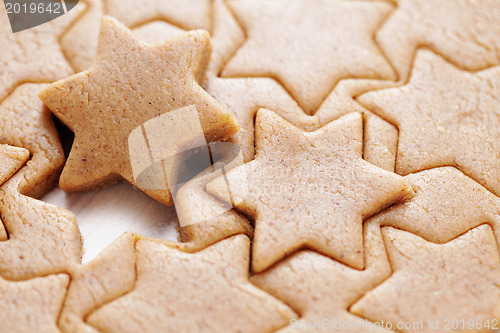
(129, 83)
(110, 275)
(463, 31)
(42, 239)
(445, 117)
(309, 46)
(12, 159)
(432, 213)
(207, 291)
(309, 189)
(32, 305)
(459, 280)
(320, 288)
(33, 55)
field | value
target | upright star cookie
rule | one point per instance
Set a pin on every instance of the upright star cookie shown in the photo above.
(445, 117)
(309, 189)
(34, 55)
(309, 46)
(459, 280)
(432, 213)
(206, 291)
(463, 31)
(322, 290)
(33, 305)
(130, 83)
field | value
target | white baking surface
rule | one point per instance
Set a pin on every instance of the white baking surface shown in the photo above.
(103, 215)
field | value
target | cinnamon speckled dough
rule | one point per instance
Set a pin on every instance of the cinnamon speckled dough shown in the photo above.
(207, 291)
(33, 55)
(445, 116)
(42, 239)
(457, 280)
(309, 189)
(309, 46)
(32, 305)
(320, 288)
(139, 82)
(446, 204)
(463, 31)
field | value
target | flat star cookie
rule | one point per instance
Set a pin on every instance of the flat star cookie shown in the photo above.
(207, 291)
(309, 189)
(445, 117)
(321, 289)
(432, 213)
(463, 31)
(130, 83)
(108, 276)
(459, 280)
(38, 238)
(32, 305)
(309, 46)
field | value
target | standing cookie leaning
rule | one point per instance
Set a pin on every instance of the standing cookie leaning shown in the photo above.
(130, 83)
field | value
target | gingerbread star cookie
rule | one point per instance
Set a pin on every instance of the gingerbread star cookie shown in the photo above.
(309, 46)
(320, 288)
(33, 55)
(463, 31)
(309, 189)
(459, 280)
(130, 83)
(207, 291)
(32, 305)
(445, 116)
(432, 213)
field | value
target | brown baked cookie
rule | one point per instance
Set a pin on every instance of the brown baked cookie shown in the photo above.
(458, 281)
(207, 291)
(309, 190)
(40, 239)
(33, 55)
(32, 305)
(446, 117)
(321, 290)
(309, 46)
(134, 94)
(463, 31)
